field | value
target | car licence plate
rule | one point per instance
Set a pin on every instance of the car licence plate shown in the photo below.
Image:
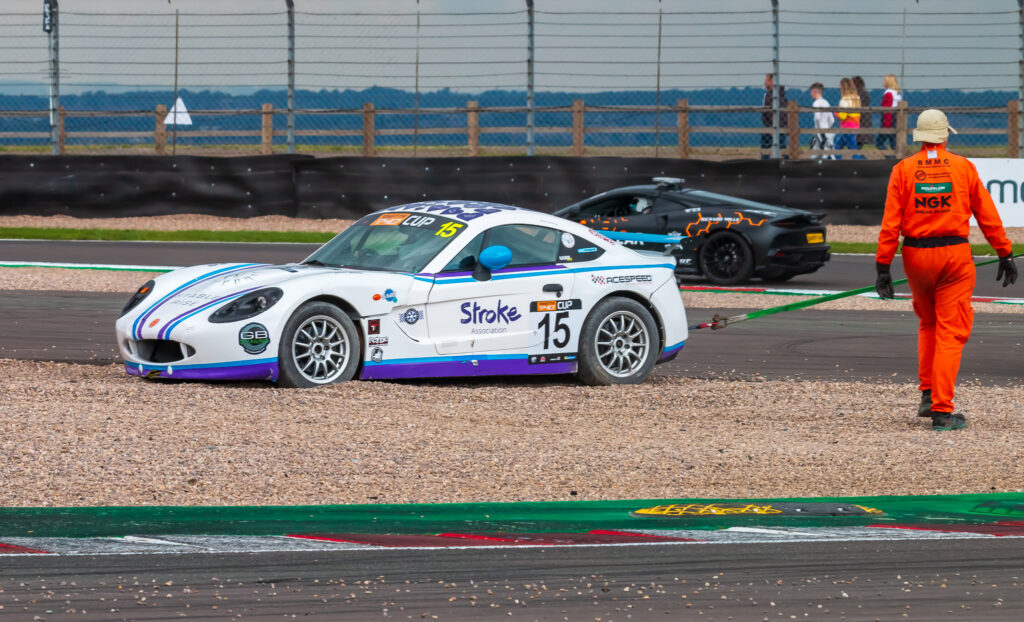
(815, 238)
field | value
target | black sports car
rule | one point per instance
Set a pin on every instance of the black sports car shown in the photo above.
(726, 240)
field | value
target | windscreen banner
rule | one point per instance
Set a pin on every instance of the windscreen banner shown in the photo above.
(1004, 179)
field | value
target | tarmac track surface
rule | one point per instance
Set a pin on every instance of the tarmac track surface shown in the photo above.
(887, 580)
(843, 272)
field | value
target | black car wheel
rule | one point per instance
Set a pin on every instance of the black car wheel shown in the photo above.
(726, 259)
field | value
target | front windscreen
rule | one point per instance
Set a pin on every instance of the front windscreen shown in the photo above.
(395, 241)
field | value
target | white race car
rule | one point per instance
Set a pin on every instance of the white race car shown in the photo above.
(439, 288)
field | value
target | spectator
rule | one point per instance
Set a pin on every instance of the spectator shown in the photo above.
(890, 99)
(865, 117)
(766, 117)
(822, 121)
(848, 120)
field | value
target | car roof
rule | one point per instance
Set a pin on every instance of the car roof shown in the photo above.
(479, 215)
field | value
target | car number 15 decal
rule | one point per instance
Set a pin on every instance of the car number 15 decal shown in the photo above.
(557, 329)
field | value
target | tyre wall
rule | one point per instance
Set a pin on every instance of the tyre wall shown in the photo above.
(850, 192)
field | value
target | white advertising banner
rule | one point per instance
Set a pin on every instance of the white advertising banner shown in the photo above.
(1004, 179)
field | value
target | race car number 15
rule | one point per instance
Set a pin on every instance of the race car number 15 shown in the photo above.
(559, 327)
(449, 229)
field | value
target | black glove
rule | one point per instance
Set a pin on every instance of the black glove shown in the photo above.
(1007, 272)
(883, 284)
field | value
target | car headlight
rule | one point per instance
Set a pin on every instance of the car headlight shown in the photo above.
(247, 306)
(137, 297)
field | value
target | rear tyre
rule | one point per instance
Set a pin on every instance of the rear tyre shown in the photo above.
(319, 345)
(726, 259)
(619, 343)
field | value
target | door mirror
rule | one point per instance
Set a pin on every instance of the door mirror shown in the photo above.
(495, 257)
(491, 258)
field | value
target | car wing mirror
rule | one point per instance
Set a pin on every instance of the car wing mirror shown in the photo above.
(491, 258)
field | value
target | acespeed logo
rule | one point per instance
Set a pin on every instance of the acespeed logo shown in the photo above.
(621, 279)
(944, 188)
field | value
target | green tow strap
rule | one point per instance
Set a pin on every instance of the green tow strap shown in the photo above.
(719, 322)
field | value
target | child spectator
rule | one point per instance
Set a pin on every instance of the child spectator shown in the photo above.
(848, 120)
(822, 121)
(890, 99)
(865, 102)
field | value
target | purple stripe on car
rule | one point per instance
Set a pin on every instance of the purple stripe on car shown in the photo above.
(454, 369)
(446, 275)
(169, 325)
(260, 371)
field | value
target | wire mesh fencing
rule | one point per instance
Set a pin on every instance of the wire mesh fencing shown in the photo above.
(543, 77)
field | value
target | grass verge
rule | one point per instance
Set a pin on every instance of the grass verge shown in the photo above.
(871, 247)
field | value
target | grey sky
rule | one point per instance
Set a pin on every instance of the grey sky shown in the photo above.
(582, 45)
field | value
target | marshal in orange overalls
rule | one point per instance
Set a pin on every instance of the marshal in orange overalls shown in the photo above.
(931, 198)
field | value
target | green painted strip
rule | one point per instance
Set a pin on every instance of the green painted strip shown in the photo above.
(568, 516)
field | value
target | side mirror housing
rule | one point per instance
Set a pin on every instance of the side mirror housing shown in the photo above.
(491, 258)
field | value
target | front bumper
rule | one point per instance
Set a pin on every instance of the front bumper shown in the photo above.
(256, 369)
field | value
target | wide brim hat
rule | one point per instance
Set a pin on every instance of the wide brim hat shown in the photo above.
(932, 127)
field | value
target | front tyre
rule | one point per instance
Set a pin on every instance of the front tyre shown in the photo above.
(319, 345)
(619, 343)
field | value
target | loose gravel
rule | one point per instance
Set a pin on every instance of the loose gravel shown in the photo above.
(90, 435)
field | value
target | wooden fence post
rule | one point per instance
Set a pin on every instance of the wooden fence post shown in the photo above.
(267, 129)
(61, 134)
(901, 130)
(473, 128)
(577, 127)
(160, 133)
(683, 127)
(368, 147)
(793, 119)
(1013, 127)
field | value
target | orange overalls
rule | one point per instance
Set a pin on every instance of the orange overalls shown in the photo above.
(931, 197)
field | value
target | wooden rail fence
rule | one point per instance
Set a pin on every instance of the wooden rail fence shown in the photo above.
(578, 130)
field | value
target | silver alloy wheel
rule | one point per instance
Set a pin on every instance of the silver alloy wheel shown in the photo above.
(622, 343)
(320, 349)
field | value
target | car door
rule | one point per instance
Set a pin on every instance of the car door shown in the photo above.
(466, 315)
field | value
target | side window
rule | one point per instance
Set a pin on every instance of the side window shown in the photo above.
(530, 245)
(667, 206)
(466, 259)
(572, 248)
(617, 206)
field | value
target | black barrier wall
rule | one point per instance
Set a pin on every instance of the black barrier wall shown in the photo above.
(117, 186)
(850, 192)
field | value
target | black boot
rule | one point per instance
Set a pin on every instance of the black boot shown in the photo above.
(925, 409)
(942, 422)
